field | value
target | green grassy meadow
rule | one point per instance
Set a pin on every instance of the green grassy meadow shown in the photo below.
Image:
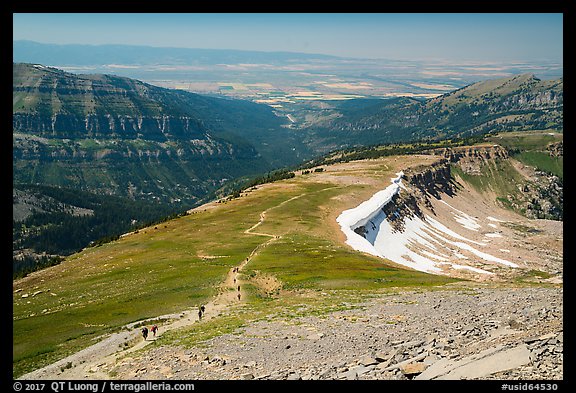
(531, 149)
(178, 265)
(497, 176)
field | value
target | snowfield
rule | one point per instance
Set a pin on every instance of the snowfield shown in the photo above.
(425, 245)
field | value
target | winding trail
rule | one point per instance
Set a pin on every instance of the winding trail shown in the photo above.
(250, 230)
(93, 362)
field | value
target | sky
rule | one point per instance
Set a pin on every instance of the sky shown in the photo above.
(403, 36)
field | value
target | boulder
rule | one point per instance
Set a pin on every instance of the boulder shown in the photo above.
(412, 369)
(479, 365)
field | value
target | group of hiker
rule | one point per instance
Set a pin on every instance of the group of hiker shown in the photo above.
(235, 270)
(154, 327)
(201, 311)
(144, 331)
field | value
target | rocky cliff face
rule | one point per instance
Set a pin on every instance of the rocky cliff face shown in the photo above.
(544, 198)
(114, 135)
(537, 100)
(51, 103)
(28, 147)
(519, 102)
(556, 149)
(420, 184)
(471, 158)
(403, 205)
(537, 195)
(109, 125)
(431, 179)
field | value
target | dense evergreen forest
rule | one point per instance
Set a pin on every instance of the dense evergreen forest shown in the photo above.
(63, 221)
(390, 149)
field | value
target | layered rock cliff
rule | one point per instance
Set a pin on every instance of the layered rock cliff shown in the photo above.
(432, 179)
(471, 158)
(109, 125)
(114, 135)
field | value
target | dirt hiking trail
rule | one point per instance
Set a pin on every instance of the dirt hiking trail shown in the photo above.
(89, 362)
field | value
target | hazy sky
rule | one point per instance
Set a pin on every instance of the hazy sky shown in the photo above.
(451, 36)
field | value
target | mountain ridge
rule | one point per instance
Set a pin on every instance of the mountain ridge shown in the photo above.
(83, 54)
(520, 102)
(58, 114)
(191, 261)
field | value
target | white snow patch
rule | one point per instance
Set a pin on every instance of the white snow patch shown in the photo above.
(468, 222)
(440, 257)
(464, 219)
(487, 257)
(494, 219)
(493, 225)
(504, 250)
(483, 255)
(362, 214)
(393, 245)
(493, 235)
(443, 228)
(383, 241)
(431, 255)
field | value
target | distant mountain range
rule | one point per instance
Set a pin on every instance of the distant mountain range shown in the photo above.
(521, 102)
(95, 132)
(30, 51)
(120, 136)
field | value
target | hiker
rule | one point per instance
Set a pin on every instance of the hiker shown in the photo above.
(145, 333)
(154, 329)
(238, 296)
(238, 288)
(234, 280)
(200, 314)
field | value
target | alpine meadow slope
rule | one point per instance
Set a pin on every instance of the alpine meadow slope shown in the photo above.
(291, 252)
(97, 155)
